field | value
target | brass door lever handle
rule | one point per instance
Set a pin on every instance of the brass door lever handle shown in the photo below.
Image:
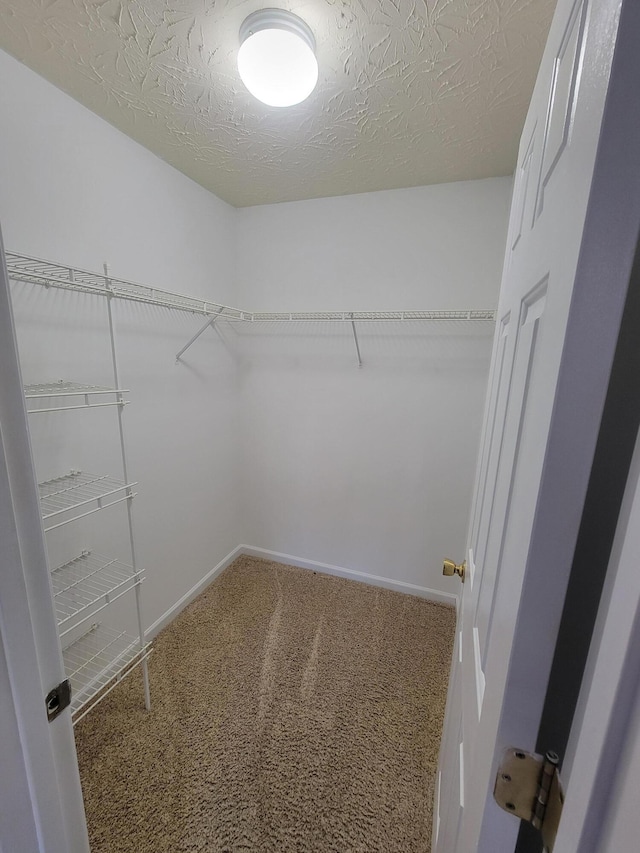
(450, 568)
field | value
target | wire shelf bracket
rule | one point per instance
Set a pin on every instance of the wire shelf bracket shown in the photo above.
(210, 322)
(355, 338)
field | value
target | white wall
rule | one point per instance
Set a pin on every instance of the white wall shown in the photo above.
(74, 189)
(369, 469)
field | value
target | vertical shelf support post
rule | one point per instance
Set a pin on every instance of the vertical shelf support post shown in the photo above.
(123, 452)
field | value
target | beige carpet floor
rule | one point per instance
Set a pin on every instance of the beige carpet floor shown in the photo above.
(293, 712)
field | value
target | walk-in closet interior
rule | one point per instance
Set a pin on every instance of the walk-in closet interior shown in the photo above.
(295, 380)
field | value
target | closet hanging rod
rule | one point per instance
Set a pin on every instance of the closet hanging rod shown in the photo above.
(51, 274)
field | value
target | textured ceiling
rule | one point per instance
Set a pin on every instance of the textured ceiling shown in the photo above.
(411, 92)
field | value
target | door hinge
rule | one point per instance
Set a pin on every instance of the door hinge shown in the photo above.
(58, 699)
(529, 787)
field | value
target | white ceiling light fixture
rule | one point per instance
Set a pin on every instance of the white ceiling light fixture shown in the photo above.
(277, 60)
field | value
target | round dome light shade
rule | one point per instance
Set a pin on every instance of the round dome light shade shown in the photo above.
(276, 60)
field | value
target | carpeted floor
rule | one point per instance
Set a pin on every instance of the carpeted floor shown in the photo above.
(292, 711)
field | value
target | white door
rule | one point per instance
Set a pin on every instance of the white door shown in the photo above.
(41, 808)
(563, 288)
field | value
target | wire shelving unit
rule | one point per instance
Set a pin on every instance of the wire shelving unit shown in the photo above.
(68, 497)
(86, 585)
(97, 661)
(83, 396)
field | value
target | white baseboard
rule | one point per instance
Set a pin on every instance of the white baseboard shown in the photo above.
(289, 560)
(352, 574)
(188, 597)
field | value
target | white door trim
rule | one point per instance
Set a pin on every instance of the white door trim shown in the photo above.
(54, 809)
(610, 695)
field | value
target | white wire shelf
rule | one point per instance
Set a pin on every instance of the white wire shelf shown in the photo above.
(65, 496)
(97, 661)
(83, 396)
(50, 274)
(87, 584)
(367, 316)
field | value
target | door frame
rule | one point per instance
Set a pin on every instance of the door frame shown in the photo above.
(610, 695)
(51, 811)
